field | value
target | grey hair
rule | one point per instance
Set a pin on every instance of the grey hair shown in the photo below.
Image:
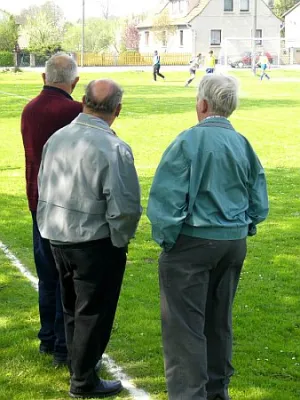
(220, 92)
(61, 68)
(107, 105)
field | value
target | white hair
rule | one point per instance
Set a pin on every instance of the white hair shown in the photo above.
(220, 92)
(61, 68)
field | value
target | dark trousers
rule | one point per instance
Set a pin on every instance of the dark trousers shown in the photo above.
(156, 72)
(263, 73)
(91, 276)
(52, 332)
(198, 282)
(192, 76)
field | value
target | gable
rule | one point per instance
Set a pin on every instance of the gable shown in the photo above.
(193, 13)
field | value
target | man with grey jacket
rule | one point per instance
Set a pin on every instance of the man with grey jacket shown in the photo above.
(89, 208)
(208, 194)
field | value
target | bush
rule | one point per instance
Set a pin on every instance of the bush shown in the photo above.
(6, 59)
(43, 53)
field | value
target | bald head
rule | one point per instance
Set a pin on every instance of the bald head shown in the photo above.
(61, 69)
(103, 96)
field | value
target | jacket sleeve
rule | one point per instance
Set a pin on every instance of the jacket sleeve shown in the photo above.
(258, 195)
(122, 191)
(168, 200)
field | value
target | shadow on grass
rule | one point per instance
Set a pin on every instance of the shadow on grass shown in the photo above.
(266, 314)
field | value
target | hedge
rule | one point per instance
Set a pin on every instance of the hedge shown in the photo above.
(6, 59)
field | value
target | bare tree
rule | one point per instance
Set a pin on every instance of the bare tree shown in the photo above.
(163, 28)
(105, 6)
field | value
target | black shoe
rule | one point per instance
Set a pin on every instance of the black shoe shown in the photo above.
(102, 390)
(217, 397)
(60, 360)
(44, 349)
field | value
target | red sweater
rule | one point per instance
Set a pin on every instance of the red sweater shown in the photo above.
(51, 110)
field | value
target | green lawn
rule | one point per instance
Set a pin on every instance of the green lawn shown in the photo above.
(267, 308)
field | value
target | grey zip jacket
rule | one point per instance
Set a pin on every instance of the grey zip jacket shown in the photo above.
(88, 185)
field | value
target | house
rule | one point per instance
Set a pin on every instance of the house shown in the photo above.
(204, 25)
(292, 26)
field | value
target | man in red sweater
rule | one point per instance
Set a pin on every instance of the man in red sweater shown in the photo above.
(51, 110)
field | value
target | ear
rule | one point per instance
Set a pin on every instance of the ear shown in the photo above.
(202, 106)
(118, 110)
(44, 78)
(75, 83)
(83, 101)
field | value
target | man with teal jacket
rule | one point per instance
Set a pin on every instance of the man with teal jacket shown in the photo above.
(208, 194)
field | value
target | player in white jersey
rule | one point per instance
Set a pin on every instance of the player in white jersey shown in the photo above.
(194, 65)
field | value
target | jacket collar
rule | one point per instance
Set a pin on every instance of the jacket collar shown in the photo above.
(57, 90)
(93, 122)
(216, 120)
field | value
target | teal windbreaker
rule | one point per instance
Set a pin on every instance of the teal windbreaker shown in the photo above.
(209, 184)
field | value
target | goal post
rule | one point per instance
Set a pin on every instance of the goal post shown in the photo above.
(243, 52)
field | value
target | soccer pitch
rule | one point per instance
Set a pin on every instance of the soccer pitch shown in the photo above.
(267, 307)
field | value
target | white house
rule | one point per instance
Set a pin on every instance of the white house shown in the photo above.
(203, 25)
(292, 26)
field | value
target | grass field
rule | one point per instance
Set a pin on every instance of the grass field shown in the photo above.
(267, 308)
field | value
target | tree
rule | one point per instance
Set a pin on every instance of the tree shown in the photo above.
(99, 35)
(8, 32)
(163, 28)
(131, 36)
(282, 6)
(44, 27)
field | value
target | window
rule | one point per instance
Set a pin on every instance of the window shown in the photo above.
(181, 38)
(258, 35)
(228, 5)
(244, 5)
(215, 37)
(175, 7)
(147, 38)
(180, 6)
(164, 39)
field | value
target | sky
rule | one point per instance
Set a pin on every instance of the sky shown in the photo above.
(73, 8)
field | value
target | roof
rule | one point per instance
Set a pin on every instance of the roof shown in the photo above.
(192, 14)
(291, 9)
(148, 22)
(197, 10)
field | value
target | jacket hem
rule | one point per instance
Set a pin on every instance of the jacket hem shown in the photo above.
(215, 233)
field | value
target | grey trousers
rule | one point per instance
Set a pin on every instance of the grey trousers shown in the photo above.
(198, 282)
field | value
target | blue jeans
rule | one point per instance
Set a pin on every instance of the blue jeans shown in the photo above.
(52, 332)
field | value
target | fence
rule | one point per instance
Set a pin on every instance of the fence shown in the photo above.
(109, 59)
(131, 59)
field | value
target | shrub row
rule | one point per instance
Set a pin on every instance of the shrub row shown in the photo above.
(6, 59)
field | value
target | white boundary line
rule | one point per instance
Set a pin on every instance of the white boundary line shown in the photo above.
(15, 95)
(113, 368)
